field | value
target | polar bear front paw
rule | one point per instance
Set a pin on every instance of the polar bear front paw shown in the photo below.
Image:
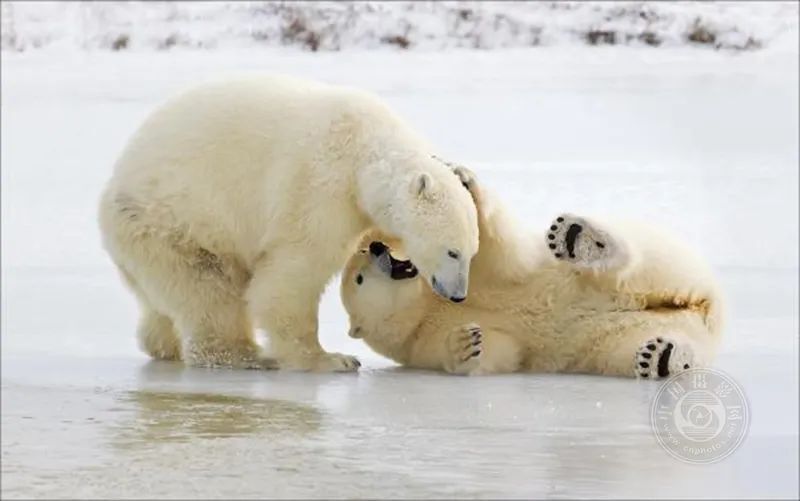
(663, 357)
(470, 182)
(577, 241)
(464, 349)
(325, 362)
(466, 176)
(337, 362)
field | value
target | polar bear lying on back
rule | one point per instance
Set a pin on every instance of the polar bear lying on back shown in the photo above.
(615, 299)
(235, 203)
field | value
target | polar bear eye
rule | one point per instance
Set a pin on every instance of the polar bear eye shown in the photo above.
(359, 279)
(453, 254)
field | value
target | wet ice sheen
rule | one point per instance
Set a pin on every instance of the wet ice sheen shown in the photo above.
(128, 427)
(704, 143)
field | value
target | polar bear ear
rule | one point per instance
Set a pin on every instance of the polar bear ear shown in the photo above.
(422, 185)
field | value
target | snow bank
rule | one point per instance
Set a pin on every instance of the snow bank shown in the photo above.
(332, 26)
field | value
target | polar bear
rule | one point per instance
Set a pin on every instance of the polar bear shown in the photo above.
(235, 203)
(605, 298)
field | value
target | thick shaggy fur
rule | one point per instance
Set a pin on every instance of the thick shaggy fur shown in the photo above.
(623, 299)
(235, 202)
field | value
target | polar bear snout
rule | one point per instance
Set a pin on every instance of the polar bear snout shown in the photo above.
(455, 291)
(396, 269)
(450, 278)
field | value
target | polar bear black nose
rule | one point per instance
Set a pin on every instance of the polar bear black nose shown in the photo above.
(457, 299)
(377, 248)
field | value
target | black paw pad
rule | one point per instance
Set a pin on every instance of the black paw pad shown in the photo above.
(572, 235)
(654, 357)
(663, 361)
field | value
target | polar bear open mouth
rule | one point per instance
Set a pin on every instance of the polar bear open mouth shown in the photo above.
(395, 268)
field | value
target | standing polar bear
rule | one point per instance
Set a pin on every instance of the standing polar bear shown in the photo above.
(615, 299)
(234, 204)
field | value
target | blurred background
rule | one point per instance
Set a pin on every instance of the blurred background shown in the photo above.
(684, 114)
(336, 26)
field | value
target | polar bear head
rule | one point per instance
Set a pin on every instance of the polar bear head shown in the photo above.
(382, 293)
(427, 208)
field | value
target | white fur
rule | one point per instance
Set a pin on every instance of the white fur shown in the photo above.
(235, 202)
(613, 309)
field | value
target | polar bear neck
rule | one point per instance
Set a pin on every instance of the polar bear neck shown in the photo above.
(389, 334)
(384, 190)
(386, 155)
(379, 185)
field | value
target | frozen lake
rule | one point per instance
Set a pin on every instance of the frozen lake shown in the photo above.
(701, 142)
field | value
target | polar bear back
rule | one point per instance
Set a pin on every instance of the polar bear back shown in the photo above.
(237, 160)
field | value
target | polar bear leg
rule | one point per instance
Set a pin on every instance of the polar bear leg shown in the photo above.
(283, 297)
(656, 357)
(158, 337)
(508, 251)
(649, 259)
(644, 344)
(220, 334)
(644, 261)
(200, 292)
(156, 332)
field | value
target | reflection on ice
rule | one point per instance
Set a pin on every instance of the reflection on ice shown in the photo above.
(183, 417)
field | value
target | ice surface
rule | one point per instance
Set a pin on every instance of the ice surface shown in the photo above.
(705, 143)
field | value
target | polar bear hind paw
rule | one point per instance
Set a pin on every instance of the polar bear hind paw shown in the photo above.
(577, 241)
(662, 357)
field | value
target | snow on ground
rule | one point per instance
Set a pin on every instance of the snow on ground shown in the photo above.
(334, 26)
(703, 142)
